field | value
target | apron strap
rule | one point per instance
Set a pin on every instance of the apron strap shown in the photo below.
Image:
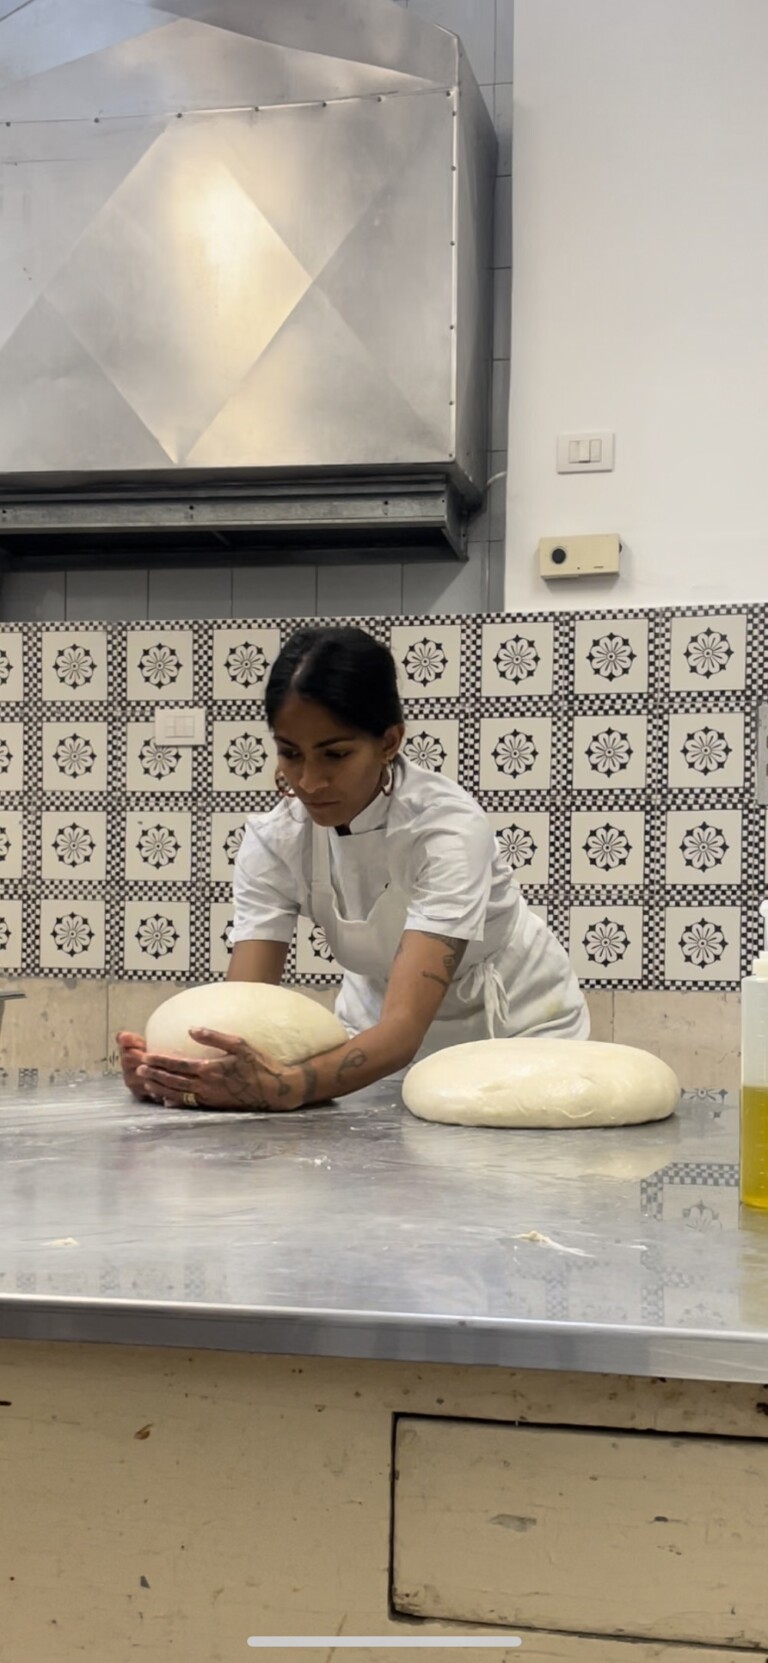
(484, 979)
(321, 861)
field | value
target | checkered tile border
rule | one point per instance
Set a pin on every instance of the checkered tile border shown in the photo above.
(641, 723)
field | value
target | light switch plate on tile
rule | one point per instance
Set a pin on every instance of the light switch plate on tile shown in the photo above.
(178, 725)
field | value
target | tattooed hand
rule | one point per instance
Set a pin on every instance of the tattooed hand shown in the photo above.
(241, 1079)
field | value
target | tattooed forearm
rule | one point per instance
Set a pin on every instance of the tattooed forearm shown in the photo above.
(451, 961)
(309, 1075)
(354, 1059)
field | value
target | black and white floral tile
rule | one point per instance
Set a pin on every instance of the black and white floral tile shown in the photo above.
(614, 753)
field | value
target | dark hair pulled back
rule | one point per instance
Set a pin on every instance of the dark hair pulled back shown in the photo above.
(345, 670)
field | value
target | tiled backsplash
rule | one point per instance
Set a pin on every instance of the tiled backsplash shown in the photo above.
(614, 753)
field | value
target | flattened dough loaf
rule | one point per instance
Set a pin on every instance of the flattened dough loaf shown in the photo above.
(287, 1025)
(541, 1082)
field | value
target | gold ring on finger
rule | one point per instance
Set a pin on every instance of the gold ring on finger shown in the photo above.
(189, 1100)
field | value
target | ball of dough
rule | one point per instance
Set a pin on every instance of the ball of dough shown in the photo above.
(287, 1025)
(541, 1082)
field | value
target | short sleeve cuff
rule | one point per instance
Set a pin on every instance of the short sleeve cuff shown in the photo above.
(279, 929)
(457, 929)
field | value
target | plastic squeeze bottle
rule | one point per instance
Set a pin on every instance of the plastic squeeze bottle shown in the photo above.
(753, 1151)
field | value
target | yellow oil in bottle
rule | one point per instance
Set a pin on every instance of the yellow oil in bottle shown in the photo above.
(753, 1166)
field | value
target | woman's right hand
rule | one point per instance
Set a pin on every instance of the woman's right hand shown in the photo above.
(133, 1052)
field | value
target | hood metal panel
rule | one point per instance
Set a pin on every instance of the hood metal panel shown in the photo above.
(232, 329)
(229, 252)
(79, 59)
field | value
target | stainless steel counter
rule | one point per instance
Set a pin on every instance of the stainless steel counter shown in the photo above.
(358, 1231)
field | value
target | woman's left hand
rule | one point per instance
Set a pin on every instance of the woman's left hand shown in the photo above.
(242, 1079)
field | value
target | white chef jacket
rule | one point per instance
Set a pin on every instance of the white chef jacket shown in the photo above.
(424, 858)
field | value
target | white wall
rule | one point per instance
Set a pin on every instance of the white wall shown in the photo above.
(640, 293)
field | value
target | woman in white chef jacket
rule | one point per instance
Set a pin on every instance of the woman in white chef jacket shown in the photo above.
(399, 867)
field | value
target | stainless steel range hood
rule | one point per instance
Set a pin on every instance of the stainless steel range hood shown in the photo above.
(244, 281)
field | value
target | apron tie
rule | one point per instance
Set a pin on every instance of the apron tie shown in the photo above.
(484, 979)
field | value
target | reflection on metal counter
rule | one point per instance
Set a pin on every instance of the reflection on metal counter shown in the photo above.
(357, 1231)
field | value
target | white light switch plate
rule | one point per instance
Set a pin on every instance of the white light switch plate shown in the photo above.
(579, 556)
(586, 452)
(178, 725)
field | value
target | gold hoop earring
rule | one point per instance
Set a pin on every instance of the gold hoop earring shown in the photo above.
(281, 785)
(388, 781)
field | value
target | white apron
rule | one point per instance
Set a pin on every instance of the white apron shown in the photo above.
(523, 986)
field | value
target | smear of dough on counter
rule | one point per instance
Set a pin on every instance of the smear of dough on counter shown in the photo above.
(546, 1241)
(541, 1083)
(285, 1024)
